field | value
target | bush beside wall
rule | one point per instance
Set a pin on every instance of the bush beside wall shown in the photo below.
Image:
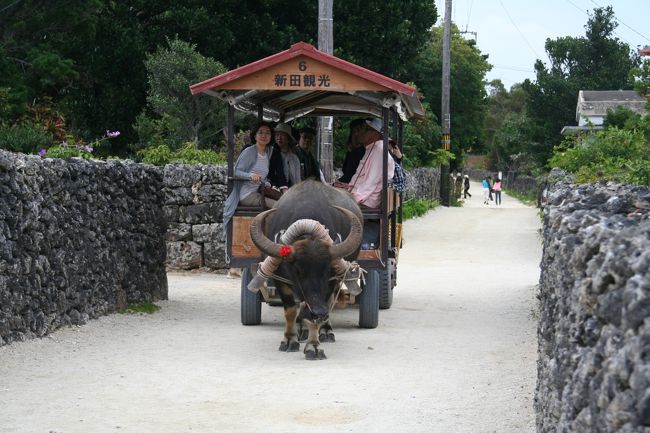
(78, 239)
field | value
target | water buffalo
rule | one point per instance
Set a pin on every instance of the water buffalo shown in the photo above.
(316, 229)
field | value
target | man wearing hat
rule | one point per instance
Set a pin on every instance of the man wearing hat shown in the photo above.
(284, 168)
(308, 166)
(366, 184)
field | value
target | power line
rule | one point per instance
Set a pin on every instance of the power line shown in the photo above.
(469, 13)
(512, 68)
(520, 32)
(615, 19)
(578, 7)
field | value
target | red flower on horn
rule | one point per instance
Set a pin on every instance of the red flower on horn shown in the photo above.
(285, 250)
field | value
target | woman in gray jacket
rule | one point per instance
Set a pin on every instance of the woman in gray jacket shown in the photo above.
(253, 164)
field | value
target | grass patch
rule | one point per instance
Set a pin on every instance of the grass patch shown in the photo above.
(417, 207)
(528, 198)
(145, 307)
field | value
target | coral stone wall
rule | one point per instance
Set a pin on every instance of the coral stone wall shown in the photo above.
(78, 239)
(594, 325)
(194, 198)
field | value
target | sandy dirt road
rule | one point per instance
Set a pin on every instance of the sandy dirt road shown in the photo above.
(456, 352)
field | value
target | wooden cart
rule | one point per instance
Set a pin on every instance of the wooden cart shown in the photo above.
(303, 81)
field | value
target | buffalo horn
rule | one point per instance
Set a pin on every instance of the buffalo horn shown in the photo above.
(351, 243)
(258, 237)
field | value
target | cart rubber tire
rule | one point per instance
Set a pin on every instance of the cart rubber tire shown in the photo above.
(385, 289)
(369, 301)
(251, 303)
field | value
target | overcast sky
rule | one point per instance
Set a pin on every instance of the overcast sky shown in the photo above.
(513, 32)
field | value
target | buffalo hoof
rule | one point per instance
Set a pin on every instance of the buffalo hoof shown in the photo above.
(291, 346)
(315, 355)
(327, 337)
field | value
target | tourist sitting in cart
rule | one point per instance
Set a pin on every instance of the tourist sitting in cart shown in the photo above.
(308, 166)
(366, 184)
(355, 152)
(284, 169)
(251, 171)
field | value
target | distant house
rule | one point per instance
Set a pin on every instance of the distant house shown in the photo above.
(593, 106)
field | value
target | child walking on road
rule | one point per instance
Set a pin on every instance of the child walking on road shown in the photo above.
(486, 191)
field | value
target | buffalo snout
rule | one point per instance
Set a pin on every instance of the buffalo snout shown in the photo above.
(319, 315)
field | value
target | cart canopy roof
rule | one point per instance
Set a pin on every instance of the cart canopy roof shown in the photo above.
(304, 81)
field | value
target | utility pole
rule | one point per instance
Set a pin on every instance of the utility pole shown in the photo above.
(325, 124)
(445, 184)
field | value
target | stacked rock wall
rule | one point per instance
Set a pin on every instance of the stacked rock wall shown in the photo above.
(194, 198)
(594, 325)
(423, 183)
(78, 239)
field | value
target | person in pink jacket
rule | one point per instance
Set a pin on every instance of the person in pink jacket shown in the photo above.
(497, 191)
(366, 183)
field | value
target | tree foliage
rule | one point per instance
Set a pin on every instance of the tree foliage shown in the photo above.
(468, 96)
(507, 128)
(88, 56)
(383, 35)
(173, 115)
(597, 61)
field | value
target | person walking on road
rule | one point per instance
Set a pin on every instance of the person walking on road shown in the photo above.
(486, 190)
(466, 187)
(497, 191)
(489, 182)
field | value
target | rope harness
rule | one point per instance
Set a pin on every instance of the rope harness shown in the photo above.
(344, 271)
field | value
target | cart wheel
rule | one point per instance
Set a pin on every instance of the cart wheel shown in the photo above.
(385, 289)
(369, 301)
(251, 303)
(387, 281)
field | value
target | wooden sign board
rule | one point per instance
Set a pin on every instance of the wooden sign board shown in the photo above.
(302, 73)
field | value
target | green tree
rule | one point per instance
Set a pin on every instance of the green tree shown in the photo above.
(88, 56)
(468, 99)
(507, 128)
(421, 140)
(173, 115)
(598, 61)
(383, 35)
(37, 49)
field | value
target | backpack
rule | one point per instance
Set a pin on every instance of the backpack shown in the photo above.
(399, 179)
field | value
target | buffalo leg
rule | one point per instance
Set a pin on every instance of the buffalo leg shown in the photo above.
(312, 350)
(303, 315)
(289, 343)
(326, 332)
